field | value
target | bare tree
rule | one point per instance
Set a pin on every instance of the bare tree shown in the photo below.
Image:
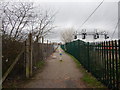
(15, 19)
(44, 24)
(19, 17)
(67, 35)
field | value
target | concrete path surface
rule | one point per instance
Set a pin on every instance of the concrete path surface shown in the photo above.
(57, 74)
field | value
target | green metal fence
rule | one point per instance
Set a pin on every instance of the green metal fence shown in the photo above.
(102, 59)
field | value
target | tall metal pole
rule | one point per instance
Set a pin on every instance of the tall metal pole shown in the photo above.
(118, 20)
(0, 55)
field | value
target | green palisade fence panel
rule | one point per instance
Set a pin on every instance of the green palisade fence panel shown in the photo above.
(102, 59)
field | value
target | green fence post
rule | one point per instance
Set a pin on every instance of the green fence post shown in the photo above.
(110, 85)
(88, 57)
(78, 49)
(104, 61)
(107, 65)
(119, 62)
(113, 65)
(116, 61)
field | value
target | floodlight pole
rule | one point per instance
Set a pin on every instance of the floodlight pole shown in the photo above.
(95, 34)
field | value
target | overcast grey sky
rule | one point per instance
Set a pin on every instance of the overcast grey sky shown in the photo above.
(74, 13)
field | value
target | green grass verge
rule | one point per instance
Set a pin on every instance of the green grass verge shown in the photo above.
(90, 80)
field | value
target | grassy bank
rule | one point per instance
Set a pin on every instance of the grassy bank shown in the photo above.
(90, 80)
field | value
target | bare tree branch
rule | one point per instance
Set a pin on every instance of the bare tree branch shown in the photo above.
(20, 17)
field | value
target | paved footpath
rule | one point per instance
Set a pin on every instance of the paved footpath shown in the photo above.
(57, 74)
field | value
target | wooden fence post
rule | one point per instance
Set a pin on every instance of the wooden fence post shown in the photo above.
(47, 49)
(28, 53)
(42, 47)
(0, 59)
(27, 58)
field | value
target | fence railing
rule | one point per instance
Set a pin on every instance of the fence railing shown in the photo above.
(102, 59)
(20, 58)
